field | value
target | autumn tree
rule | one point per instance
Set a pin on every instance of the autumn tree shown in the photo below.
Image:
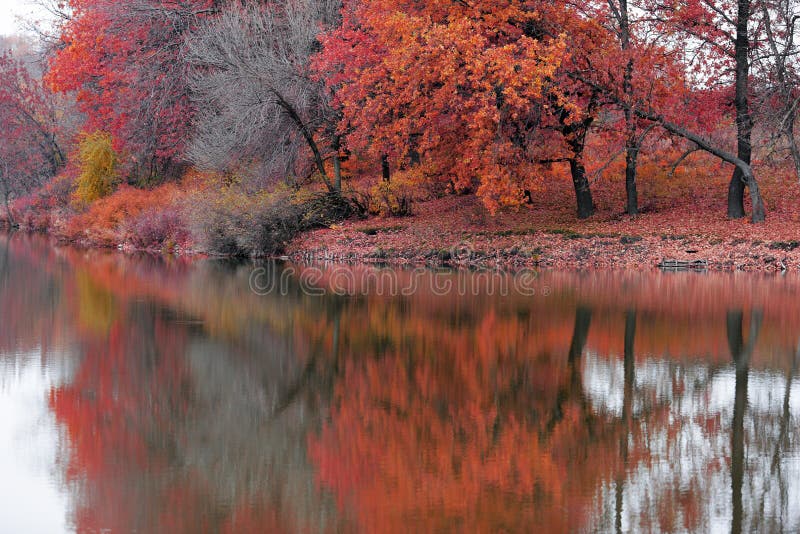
(30, 141)
(622, 17)
(123, 60)
(619, 17)
(256, 96)
(720, 38)
(99, 168)
(461, 87)
(681, 109)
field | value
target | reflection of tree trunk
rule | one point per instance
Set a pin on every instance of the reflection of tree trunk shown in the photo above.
(629, 365)
(4, 270)
(583, 318)
(737, 447)
(782, 440)
(336, 333)
(741, 352)
(627, 403)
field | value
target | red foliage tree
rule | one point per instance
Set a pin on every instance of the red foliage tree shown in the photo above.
(123, 60)
(30, 150)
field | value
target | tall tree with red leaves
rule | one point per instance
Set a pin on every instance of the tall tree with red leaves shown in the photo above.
(123, 60)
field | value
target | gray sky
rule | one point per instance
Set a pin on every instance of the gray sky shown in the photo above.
(11, 9)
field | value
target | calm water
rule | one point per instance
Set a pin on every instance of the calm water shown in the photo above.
(152, 395)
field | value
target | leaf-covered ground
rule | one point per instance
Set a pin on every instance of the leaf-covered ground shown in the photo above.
(687, 222)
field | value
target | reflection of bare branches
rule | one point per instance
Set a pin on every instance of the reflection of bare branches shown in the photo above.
(782, 440)
(305, 380)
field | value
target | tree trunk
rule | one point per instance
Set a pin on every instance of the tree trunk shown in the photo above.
(744, 122)
(759, 211)
(583, 195)
(631, 142)
(631, 156)
(337, 173)
(306, 133)
(385, 170)
(337, 165)
(413, 154)
(576, 140)
(575, 137)
(6, 193)
(793, 148)
(9, 215)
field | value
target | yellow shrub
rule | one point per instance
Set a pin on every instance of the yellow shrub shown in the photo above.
(98, 165)
(392, 198)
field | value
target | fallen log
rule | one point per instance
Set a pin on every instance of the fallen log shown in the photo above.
(683, 265)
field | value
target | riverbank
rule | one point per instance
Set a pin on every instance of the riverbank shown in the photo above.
(457, 231)
(685, 223)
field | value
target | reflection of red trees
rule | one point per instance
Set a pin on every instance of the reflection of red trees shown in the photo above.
(25, 289)
(103, 407)
(126, 410)
(479, 426)
(443, 411)
(128, 390)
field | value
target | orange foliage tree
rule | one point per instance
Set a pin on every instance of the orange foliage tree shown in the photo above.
(459, 88)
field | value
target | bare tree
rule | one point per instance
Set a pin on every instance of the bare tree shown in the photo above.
(256, 96)
(777, 71)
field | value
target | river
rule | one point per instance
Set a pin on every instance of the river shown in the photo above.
(157, 394)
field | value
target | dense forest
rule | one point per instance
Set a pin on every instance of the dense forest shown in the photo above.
(230, 127)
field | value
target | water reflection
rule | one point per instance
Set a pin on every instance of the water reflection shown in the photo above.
(180, 401)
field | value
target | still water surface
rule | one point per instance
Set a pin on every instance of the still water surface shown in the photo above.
(142, 394)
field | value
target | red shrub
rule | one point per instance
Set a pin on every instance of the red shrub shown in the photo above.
(107, 221)
(157, 229)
